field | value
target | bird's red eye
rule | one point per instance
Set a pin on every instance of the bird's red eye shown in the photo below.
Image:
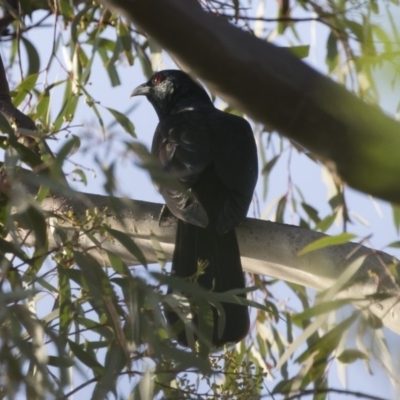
(157, 79)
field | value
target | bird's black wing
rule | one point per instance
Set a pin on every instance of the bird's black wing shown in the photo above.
(181, 143)
(235, 160)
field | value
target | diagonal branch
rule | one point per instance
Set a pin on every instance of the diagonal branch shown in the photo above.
(274, 87)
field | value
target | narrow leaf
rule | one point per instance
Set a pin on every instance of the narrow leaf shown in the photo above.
(24, 88)
(270, 164)
(86, 358)
(311, 212)
(129, 244)
(319, 309)
(65, 304)
(301, 51)
(280, 210)
(123, 121)
(332, 52)
(126, 41)
(396, 217)
(327, 242)
(351, 355)
(33, 56)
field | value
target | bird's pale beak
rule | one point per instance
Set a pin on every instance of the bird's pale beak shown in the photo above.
(141, 90)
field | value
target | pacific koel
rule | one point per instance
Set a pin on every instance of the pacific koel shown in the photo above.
(213, 156)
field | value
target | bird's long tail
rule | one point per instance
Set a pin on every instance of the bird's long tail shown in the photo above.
(220, 256)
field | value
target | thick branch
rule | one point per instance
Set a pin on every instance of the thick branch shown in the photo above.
(267, 248)
(276, 88)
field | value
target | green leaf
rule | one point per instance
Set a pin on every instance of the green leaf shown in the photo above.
(383, 38)
(33, 57)
(325, 223)
(332, 52)
(81, 174)
(327, 242)
(109, 63)
(129, 244)
(396, 217)
(343, 279)
(394, 269)
(70, 147)
(86, 358)
(96, 327)
(351, 355)
(114, 363)
(97, 344)
(356, 28)
(68, 108)
(270, 164)
(24, 88)
(319, 309)
(42, 107)
(301, 51)
(63, 362)
(311, 212)
(158, 250)
(374, 6)
(114, 122)
(96, 279)
(75, 25)
(26, 6)
(93, 106)
(88, 69)
(118, 265)
(280, 209)
(323, 347)
(76, 70)
(101, 291)
(65, 304)
(83, 58)
(373, 321)
(328, 295)
(77, 276)
(123, 121)
(33, 219)
(67, 11)
(144, 62)
(106, 44)
(126, 41)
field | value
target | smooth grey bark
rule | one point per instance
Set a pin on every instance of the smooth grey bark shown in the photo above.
(274, 87)
(267, 248)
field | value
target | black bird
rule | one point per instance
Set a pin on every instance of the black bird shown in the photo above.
(213, 155)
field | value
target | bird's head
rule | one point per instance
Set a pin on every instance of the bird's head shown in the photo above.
(172, 91)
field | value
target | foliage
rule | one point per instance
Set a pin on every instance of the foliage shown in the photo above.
(64, 310)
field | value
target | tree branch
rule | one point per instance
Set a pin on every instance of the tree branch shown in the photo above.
(274, 87)
(267, 248)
